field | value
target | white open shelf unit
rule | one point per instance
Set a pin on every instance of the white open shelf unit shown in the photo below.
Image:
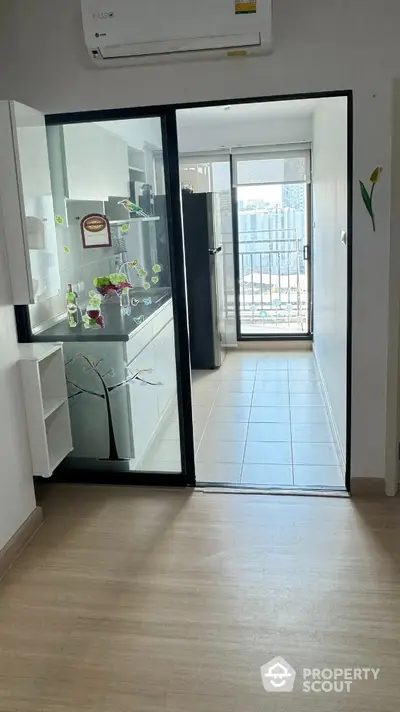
(46, 405)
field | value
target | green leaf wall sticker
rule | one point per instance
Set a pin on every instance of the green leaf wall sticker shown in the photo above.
(368, 196)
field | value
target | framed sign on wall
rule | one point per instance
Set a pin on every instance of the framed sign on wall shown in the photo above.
(95, 231)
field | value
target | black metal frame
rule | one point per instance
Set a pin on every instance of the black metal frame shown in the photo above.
(310, 274)
(349, 364)
(119, 473)
(167, 114)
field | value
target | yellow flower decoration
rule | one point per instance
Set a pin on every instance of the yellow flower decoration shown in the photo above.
(376, 175)
(368, 196)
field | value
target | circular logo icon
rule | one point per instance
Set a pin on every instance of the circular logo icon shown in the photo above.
(94, 223)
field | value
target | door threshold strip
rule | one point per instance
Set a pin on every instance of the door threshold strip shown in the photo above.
(288, 491)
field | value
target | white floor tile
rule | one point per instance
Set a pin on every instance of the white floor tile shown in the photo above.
(305, 387)
(302, 366)
(205, 387)
(228, 399)
(272, 375)
(252, 418)
(312, 433)
(261, 400)
(226, 414)
(268, 453)
(233, 432)
(238, 366)
(231, 375)
(201, 413)
(308, 376)
(272, 364)
(271, 387)
(301, 357)
(267, 475)
(306, 399)
(314, 454)
(268, 432)
(198, 433)
(215, 472)
(203, 399)
(308, 415)
(220, 451)
(269, 415)
(246, 361)
(236, 386)
(319, 476)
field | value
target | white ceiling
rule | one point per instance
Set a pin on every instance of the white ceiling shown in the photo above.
(271, 110)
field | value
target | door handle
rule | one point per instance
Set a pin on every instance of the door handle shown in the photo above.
(306, 255)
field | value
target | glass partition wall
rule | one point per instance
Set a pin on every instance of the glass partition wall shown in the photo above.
(115, 311)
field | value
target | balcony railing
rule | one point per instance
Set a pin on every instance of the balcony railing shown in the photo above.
(273, 282)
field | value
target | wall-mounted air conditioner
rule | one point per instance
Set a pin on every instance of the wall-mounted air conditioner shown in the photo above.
(121, 32)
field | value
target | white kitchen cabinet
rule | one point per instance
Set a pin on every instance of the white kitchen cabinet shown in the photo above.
(136, 409)
(26, 203)
(165, 370)
(96, 162)
(149, 403)
(143, 401)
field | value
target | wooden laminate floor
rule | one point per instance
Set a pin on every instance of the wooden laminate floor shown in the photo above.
(148, 600)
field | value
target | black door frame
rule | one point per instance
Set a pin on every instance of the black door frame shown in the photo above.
(167, 113)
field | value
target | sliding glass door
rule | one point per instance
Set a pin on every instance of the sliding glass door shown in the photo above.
(121, 311)
(272, 217)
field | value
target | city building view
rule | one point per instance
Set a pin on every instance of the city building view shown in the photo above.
(272, 222)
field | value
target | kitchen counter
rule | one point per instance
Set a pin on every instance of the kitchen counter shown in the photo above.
(118, 326)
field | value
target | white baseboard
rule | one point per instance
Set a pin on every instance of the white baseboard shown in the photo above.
(15, 546)
(325, 393)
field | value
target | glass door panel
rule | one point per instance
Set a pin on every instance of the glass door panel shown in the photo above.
(273, 269)
(273, 248)
(116, 314)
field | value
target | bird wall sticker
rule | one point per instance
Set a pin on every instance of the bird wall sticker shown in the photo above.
(133, 208)
(368, 196)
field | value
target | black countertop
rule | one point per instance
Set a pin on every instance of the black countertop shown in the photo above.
(118, 326)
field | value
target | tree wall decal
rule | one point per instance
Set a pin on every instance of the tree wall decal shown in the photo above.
(106, 390)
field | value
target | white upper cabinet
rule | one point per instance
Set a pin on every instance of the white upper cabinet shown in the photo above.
(96, 162)
(26, 203)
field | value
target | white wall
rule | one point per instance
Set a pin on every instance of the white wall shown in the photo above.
(17, 498)
(213, 136)
(393, 380)
(320, 45)
(330, 254)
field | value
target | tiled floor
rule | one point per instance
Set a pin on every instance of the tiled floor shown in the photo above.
(259, 420)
